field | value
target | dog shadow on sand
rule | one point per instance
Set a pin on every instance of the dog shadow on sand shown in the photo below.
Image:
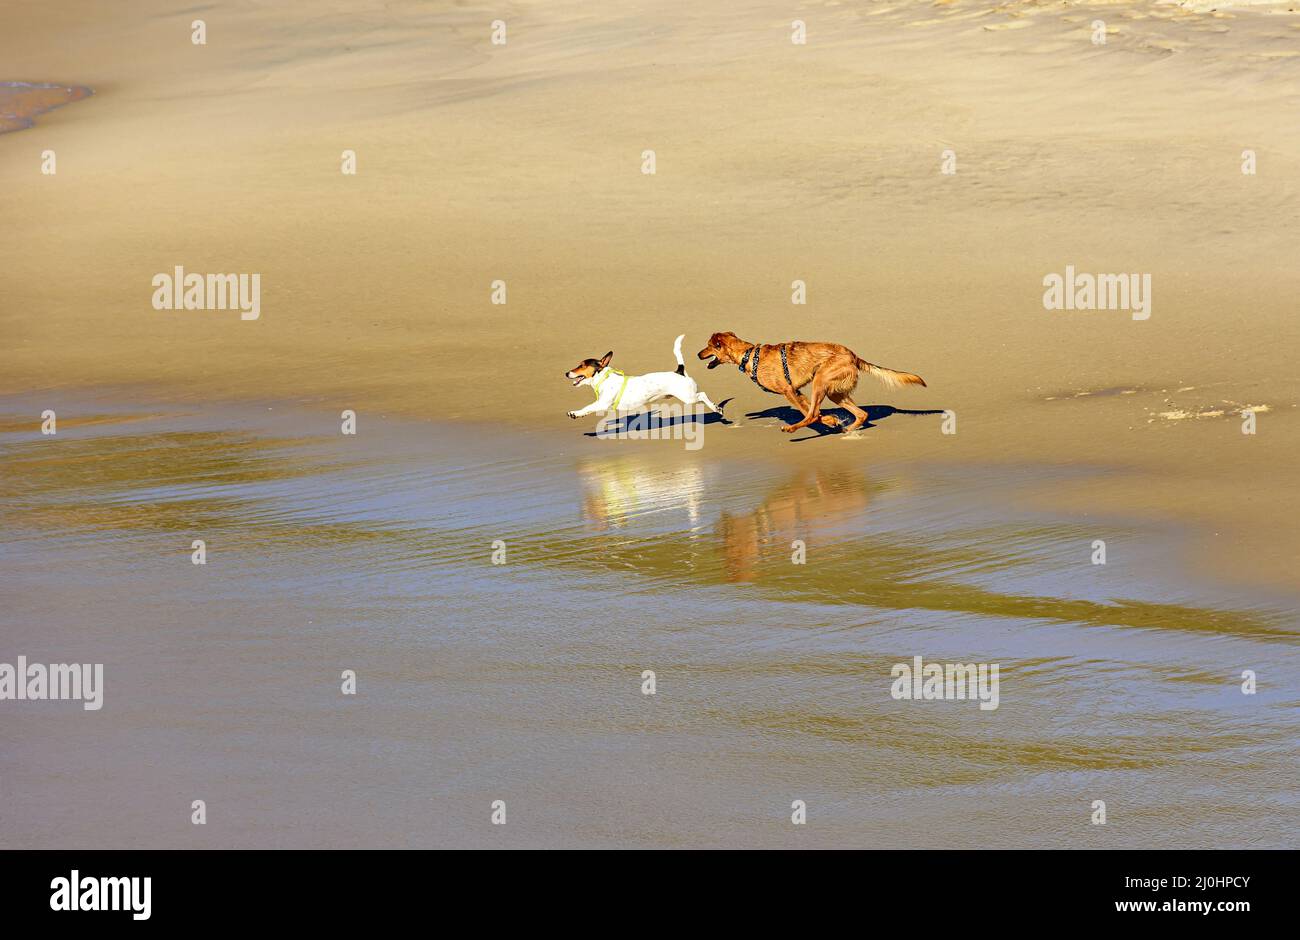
(788, 415)
(650, 421)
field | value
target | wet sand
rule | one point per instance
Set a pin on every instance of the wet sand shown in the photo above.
(522, 681)
(775, 162)
(22, 102)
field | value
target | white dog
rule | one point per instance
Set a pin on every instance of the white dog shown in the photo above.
(617, 392)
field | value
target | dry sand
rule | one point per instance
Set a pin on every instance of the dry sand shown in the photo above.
(775, 162)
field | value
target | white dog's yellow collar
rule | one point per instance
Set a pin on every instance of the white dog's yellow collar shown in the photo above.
(595, 386)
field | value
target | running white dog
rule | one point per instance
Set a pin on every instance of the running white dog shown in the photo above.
(617, 392)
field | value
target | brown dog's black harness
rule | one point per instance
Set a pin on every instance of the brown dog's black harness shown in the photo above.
(753, 374)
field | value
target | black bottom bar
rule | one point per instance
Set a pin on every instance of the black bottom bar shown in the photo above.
(943, 889)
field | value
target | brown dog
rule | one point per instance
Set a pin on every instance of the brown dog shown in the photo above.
(788, 367)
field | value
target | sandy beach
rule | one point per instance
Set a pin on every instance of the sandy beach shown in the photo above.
(776, 162)
(920, 167)
(521, 681)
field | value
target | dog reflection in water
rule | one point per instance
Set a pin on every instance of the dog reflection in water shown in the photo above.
(616, 491)
(813, 500)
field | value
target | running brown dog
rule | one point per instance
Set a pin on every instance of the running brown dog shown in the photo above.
(785, 368)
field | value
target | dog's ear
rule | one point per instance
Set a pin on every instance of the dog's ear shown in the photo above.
(604, 360)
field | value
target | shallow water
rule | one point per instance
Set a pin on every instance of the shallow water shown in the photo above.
(22, 102)
(522, 681)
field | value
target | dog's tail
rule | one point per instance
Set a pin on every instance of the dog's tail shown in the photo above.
(890, 377)
(677, 351)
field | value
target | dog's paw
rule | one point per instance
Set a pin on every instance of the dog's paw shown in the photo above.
(572, 414)
(830, 422)
(788, 428)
